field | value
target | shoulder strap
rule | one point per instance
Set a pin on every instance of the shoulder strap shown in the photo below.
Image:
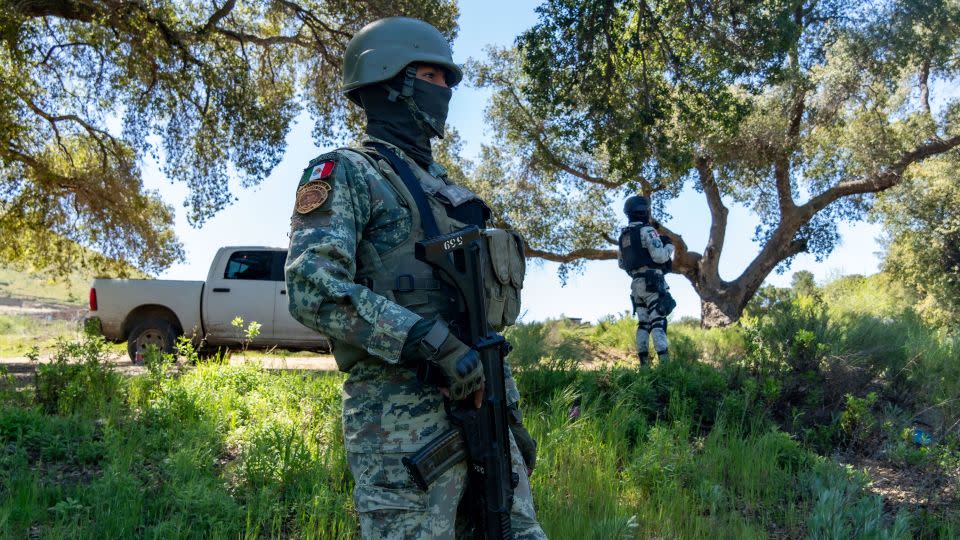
(360, 152)
(410, 180)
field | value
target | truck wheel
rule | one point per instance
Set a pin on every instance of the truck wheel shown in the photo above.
(159, 333)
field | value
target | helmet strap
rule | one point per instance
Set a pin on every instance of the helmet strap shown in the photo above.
(409, 75)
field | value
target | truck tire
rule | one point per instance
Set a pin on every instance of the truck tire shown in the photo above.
(157, 332)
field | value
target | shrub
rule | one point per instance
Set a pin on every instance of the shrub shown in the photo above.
(553, 343)
(843, 510)
(78, 379)
(527, 340)
(615, 331)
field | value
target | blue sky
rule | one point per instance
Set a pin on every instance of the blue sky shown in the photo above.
(261, 214)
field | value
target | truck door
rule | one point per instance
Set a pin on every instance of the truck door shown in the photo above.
(287, 330)
(246, 289)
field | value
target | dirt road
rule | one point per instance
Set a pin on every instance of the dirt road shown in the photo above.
(40, 309)
(23, 369)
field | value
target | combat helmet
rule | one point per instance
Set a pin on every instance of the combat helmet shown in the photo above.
(383, 48)
(637, 208)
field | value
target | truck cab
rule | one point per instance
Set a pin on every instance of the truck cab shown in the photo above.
(243, 281)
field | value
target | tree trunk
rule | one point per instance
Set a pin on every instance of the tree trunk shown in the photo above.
(721, 307)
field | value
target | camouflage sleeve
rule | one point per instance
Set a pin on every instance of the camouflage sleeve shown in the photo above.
(510, 384)
(659, 252)
(321, 263)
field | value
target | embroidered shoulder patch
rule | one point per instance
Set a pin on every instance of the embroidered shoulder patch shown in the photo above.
(311, 196)
(320, 167)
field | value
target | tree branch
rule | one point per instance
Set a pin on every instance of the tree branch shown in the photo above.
(589, 254)
(782, 244)
(261, 40)
(685, 262)
(543, 147)
(781, 164)
(218, 16)
(781, 175)
(311, 20)
(718, 216)
(49, 53)
(881, 180)
(583, 175)
(780, 247)
(924, 77)
(67, 183)
(77, 10)
(96, 134)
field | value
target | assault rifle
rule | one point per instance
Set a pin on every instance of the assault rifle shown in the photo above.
(481, 436)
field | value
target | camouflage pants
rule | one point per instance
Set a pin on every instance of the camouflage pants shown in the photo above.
(392, 507)
(650, 322)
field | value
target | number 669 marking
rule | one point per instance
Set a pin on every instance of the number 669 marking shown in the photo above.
(452, 243)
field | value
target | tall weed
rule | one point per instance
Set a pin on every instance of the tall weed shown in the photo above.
(555, 344)
(79, 378)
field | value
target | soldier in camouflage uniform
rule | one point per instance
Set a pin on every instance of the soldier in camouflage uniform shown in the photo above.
(351, 274)
(645, 256)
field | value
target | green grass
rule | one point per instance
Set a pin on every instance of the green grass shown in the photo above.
(221, 452)
(656, 454)
(736, 437)
(73, 288)
(19, 334)
(25, 284)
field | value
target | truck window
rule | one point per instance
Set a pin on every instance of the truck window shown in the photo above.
(251, 265)
(279, 259)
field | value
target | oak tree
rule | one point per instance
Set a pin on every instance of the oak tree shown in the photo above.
(90, 88)
(801, 110)
(922, 218)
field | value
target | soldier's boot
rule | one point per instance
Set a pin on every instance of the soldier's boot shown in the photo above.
(663, 356)
(643, 342)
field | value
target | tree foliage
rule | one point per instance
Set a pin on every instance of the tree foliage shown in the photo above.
(922, 217)
(801, 110)
(90, 88)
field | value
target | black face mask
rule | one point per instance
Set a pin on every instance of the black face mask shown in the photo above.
(642, 217)
(408, 126)
(432, 102)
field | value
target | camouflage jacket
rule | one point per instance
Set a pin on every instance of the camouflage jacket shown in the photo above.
(385, 407)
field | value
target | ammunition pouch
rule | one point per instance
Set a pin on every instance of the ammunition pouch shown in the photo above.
(503, 273)
(654, 281)
(666, 303)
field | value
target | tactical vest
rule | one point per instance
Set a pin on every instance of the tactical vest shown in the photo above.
(399, 276)
(632, 252)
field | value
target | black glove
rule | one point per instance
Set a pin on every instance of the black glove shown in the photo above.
(665, 240)
(525, 442)
(429, 346)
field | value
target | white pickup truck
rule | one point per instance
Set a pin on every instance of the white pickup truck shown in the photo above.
(243, 281)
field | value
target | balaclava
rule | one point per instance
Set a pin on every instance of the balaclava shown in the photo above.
(407, 122)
